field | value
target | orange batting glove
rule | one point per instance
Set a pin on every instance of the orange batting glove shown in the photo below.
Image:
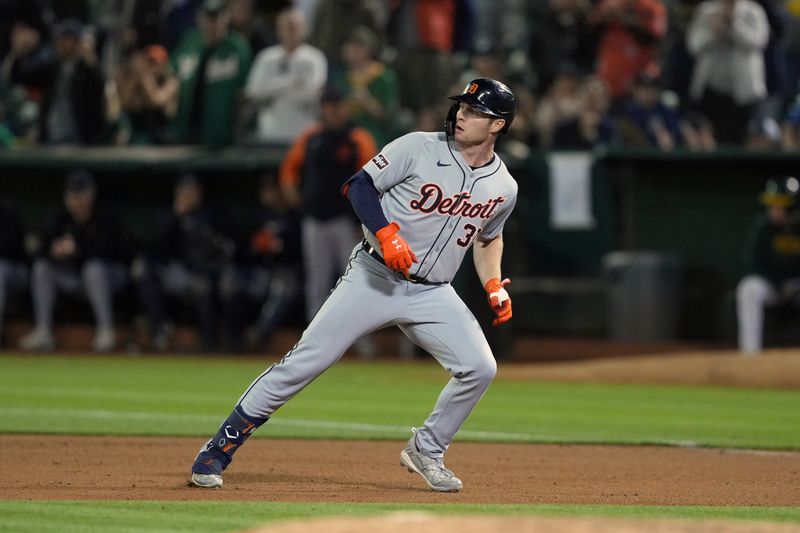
(396, 253)
(499, 300)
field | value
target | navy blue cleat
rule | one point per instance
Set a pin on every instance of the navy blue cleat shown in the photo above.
(208, 467)
(217, 453)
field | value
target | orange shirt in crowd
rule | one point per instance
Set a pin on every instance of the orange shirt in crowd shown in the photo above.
(624, 52)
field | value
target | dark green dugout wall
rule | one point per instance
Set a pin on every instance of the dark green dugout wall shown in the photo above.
(697, 206)
(567, 253)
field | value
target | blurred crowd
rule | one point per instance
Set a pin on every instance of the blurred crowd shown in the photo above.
(694, 74)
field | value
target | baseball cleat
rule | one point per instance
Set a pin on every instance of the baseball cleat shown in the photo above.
(38, 340)
(206, 481)
(431, 469)
(208, 466)
(217, 453)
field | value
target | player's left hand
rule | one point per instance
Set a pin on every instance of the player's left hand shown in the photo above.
(499, 300)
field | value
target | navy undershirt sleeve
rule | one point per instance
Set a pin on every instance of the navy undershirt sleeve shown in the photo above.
(361, 191)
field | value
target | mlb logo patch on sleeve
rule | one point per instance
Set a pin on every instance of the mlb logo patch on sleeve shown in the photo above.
(380, 161)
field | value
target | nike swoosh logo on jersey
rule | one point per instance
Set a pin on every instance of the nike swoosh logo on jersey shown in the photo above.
(440, 164)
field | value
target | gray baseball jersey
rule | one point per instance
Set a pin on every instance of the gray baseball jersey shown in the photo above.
(441, 204)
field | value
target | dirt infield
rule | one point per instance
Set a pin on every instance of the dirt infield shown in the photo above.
(155, 468)
(773, 369)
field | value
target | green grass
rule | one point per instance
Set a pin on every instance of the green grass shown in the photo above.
(189, 396)
(130, 516)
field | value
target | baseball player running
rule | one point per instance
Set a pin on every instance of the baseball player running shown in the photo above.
(443, 192)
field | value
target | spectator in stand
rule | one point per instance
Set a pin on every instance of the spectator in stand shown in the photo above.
(772, 262)
(13, 260)
(148, 92)
(425, 34)
(776, 69)
(124, 26)
(628, 32)
(334, 21)
(502, 25)
(678, 63)
(73, 109)
(179, 18)
(24, 75)
(592, 125)
(251, 25)
(30, 59)
(315, 168)
(107, 25)
(212, 64)
(727, 39)
(561, 37)
(645, 120)
(697, 131)
(82, 253)
(185, 263)
(148, 25)
(268, 273)
(285, 82)
(371, 86)
(763, 133)
(560, 104)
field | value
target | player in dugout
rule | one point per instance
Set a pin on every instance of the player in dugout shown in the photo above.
(772, 262)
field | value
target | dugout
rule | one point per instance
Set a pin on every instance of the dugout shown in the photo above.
(695, 207)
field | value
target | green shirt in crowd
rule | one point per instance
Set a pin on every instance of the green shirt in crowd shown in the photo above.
(206, 114)
(383, 85)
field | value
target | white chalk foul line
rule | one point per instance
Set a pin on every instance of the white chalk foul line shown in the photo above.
(97, 414)
(401, 431)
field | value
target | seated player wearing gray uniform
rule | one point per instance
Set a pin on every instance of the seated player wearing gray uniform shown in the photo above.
(82, 253)
(444, 192)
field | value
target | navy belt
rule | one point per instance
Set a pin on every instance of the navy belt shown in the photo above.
(412, 278)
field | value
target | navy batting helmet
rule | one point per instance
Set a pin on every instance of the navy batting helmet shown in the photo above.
(487, 96)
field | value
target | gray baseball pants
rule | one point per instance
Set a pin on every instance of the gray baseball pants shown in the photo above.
(368, 297)
(98, 280)
(753, 294)
(326, 249)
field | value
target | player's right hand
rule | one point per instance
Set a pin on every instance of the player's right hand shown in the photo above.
(395, 250)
